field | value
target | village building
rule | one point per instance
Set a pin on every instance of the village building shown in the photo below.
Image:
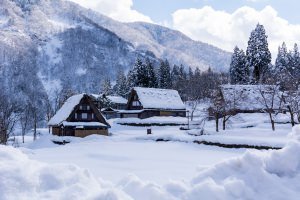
(78, 117)
(109, 104)
(149, 102)
(109, 101)
(234, 99)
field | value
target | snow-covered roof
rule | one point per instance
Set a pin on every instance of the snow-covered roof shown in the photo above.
(64, 112)
(117, 99)
(249, 97)
(65, 123)
(153, 98)
(112, 98)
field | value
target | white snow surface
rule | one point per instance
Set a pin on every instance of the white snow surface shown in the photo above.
(117, 99)
(65, 123)
(153, 120)
(64, 112)
(153, 98)
(254, 175)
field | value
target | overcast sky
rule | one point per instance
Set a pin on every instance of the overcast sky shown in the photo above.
(223, 23)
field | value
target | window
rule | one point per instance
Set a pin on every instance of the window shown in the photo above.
(84, 115)
(92, 115)
(76, 117)
(80, 107)
(88, 107)
(136, 103)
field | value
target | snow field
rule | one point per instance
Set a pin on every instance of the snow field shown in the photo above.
(255, 175)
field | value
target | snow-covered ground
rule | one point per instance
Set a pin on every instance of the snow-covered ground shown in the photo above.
(132, 165)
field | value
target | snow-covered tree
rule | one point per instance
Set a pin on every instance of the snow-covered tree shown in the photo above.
(281, 73)
(258, 54)
(239, 71)
(106, 87)
(121, 87)
(151, 76)
(294, 64)
(133, 77)
(165, 75)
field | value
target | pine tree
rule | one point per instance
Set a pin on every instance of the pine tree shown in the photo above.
(132, 77)
(165, 75)
(151, 75)
(174, 76)
(190, 74)
(121, 87)
(239, 71)
(182, 83)
(282, 61)
(258, 54)
(106, 87)
(294, 63)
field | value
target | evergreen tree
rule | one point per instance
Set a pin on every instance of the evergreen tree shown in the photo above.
(132, 77)
(239, 71)
(106, 87)
(282, 62)
(174, 76)
(150, 75)
(258, 54)
(142, 75)
(165, 75)
(121, 87)
(182, 83)
(294, 63)
(190, 74)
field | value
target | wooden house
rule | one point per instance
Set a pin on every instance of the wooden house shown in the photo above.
(78, 117)
(110, 113)
(114, 102)
(149, 102)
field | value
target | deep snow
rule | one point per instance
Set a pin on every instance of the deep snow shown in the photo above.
(254, 175)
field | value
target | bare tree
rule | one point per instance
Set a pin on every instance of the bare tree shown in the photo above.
(8, 117)
(270, 100)
(230, 104)
(25, 120)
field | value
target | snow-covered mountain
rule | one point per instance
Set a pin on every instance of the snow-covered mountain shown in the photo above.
(75, 46)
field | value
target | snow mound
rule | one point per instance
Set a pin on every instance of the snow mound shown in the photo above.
(256, 175)
(272, 175)
(22, 178)
(295, 134)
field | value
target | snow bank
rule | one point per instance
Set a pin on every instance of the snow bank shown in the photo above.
(273, 175)
(255, 175)
(295, 134)
(22, 178)
(153, 120)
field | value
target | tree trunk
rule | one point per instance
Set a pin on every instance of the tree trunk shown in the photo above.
(224, 123)
(272, 122)
(35, 125)
(292, 115)
(217, 122)
(192, 115)
(23, 133)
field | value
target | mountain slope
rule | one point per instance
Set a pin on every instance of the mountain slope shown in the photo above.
(73, 47)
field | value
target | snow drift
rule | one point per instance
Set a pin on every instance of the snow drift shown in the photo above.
(255, 175)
